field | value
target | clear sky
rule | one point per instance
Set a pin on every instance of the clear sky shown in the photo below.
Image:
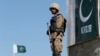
(23, 22)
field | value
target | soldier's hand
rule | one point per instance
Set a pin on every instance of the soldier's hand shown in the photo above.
(47, 32)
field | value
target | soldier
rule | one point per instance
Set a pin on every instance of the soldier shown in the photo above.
(56, 30)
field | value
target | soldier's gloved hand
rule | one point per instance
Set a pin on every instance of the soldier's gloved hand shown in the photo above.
(47, 32)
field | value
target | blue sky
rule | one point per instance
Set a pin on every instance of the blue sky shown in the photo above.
(23, 22)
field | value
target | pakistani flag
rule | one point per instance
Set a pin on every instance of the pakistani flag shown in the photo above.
(19, 48)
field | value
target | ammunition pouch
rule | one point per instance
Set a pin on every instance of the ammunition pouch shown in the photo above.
(55, 29)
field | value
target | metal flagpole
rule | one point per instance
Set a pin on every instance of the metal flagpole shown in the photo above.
(13, 54)
(13, 50)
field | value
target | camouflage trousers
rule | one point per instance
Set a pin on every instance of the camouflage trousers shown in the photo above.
(56, 43)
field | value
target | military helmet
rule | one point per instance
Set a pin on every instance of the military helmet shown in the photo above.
(54, 5)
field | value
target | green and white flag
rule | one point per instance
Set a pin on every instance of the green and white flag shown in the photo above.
(19, 49)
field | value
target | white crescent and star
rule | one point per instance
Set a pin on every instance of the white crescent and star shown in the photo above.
(84, 19)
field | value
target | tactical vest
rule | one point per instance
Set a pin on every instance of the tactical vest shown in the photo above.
(54, 28)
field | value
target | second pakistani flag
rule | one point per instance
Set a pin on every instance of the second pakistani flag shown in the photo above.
(86, 14)
(19, 48)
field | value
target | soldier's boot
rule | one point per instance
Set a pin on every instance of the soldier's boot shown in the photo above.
(54, 54)
(59, 54)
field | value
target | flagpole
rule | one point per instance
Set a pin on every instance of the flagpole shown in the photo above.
(13, 50)
(13, 54)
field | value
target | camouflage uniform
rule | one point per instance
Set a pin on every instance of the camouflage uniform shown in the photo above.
(56, 33)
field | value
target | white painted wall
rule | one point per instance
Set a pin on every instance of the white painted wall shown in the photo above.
(71, 21)
(99, 15)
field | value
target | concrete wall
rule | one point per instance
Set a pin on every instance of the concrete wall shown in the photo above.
(89, 48)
